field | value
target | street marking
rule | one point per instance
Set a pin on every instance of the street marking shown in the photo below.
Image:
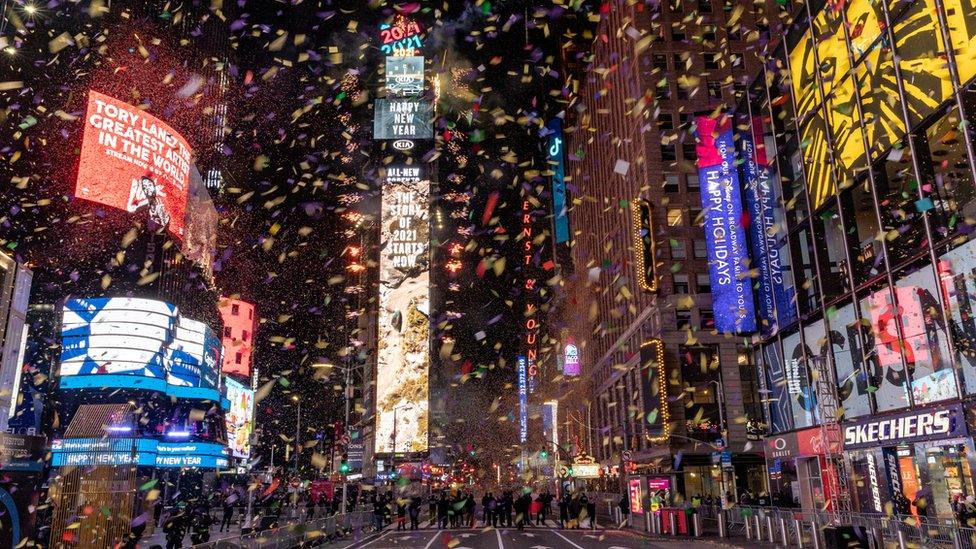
(567, 540)
(500, 544)
(431, 542)
(381, 536)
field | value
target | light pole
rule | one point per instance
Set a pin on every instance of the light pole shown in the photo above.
(298, 430)
(720, 396)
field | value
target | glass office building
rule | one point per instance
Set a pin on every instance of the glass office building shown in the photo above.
(863, 120)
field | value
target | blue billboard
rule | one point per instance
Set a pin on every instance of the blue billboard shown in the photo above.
(144, 452)
(523, 394)
(776, 304)
(134, 343)
(725, 237)
(557, 161)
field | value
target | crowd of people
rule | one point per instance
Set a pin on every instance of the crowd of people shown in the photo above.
(457, 509)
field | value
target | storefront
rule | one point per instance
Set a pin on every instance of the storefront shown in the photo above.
(795, 462)
(911, 453)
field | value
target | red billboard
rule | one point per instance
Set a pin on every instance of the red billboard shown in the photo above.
(129, 157)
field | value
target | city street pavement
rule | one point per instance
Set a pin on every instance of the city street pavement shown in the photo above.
(511, 538)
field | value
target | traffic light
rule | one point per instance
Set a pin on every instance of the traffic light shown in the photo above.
(344, 468)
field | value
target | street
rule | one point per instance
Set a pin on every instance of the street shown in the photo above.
(511, 538)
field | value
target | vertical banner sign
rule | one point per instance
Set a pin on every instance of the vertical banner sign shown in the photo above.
(531, 323)
(653, 380)
(776, 307)
(725, 238)
(643, 234)
(560, 215)
(523, 394)
(403, 356)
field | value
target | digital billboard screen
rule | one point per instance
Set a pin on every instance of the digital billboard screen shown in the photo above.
(523, 396)
(240, 326)
(725, 237)
(557, 163)
(405, 75)
(402, 119)
(239, 418)
(135, 343)
(126, 152)
(403, 356)
(144, 452)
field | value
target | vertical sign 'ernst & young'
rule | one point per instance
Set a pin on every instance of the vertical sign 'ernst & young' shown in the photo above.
(725, 238)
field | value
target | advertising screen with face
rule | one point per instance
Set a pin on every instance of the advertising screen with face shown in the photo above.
(131, 159)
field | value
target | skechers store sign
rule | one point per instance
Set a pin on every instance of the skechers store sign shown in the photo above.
(725, 237)
(141, 451)
(915, 426)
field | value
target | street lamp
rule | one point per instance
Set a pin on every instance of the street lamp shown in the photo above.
(298, 430)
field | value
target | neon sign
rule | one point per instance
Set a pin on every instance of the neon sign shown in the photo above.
(531, 324)
(403, 37)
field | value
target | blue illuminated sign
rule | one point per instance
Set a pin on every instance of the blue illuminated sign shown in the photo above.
(523, 390)
(134, 343)
(725, 238)
(137, 451)
(776, 306)
(560, 215)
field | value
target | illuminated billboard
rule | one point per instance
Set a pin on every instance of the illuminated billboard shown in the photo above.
(405, 75)
(239, 418)
(403, 37)
(144, 452)
(130, 158)
(642, 219)
(240, 325)
(523, 396)
(556, 156)
(571, 360)
(725, 237)
(134, 343)
(403, 356)
(402, 119)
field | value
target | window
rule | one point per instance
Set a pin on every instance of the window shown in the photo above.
(677, 35)
(709, 35)
(688, 151)
(711, 61)
(700, 249)
(226, 331)
(235, 309)
(692, 182)
(682, 318)
(715, 91)
(678, 249)
(696, 217)
(703, 284)
(660, 61)
(683, 92)
(681, 284)
(679, 64)
(244, 335)
(707, 319)
(665, 122)
(671, 183)
(704, 6)
(668, 154)
(238, 358)
(955, 192)
(674, 217)
(663, 91)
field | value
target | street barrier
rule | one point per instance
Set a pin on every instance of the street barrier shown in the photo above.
(299, 533)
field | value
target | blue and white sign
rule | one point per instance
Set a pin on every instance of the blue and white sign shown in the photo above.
(776, 304)
(135, 343)
(523, 393)
(725, 237)
(137, 451)
(556, 155)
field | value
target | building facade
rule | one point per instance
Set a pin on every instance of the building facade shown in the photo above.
(663, 397)
(874, 189)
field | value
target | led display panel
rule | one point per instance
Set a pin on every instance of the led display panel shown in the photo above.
(127, 156)
(239, 418)
(134, 343)
(403, 357)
